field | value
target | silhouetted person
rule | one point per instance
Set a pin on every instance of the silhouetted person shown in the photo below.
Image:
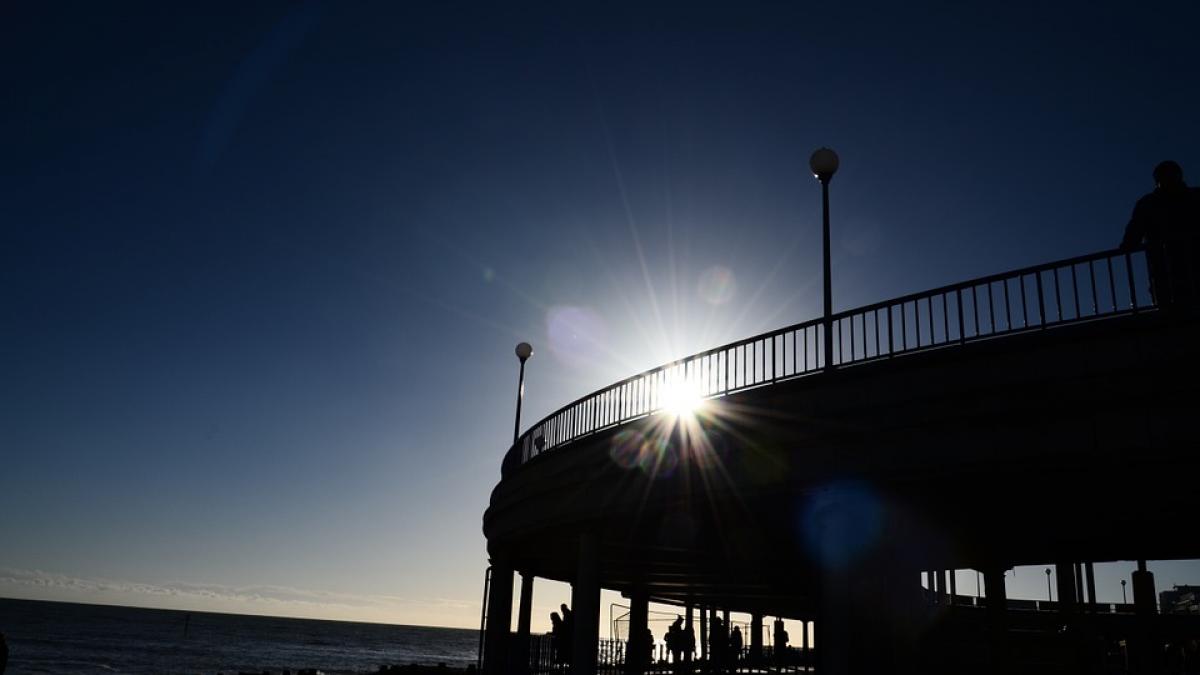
(675, 640)
(781, 641)
(714, 642)
(568, 620)
(1168, 222)
(556, 629)
(735, 644)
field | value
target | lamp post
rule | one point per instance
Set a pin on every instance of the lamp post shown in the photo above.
(1124, 600)
(824, 163)
(524, 351)
(1049, 593)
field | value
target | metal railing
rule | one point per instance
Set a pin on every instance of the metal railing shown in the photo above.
(1100, 285)
(546, 658)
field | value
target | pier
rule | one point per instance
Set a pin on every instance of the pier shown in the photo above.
(834, 471)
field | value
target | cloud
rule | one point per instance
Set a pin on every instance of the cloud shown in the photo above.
(253, 599)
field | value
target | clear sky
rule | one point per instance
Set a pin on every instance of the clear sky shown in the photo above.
(263, 264)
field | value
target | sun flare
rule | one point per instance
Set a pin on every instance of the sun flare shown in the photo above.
(681, 398)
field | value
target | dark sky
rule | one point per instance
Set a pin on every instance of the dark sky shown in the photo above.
(263, 264)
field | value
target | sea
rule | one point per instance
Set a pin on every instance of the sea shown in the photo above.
(68, 639)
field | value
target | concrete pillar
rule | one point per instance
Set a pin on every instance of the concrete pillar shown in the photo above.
(728, 633)
(1145, 652)
(835, 615)
(953, 575)
(637, 649)
(499, 621)
(1089, 571)
(756, 641)
(703, 633)
(809, 640)
(688, 630)
(935, 585)
(520, 651)
(1144, 602)
(997, 618)
(1064, 573)
(712, 623)
(585, 606)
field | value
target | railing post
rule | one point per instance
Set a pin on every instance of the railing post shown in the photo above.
(1132, 287)
(962, 326)
(891, 334)
(1041, 300)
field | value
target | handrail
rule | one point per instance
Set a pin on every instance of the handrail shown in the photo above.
(1031, 299)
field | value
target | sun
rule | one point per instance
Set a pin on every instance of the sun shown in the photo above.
(681, 398)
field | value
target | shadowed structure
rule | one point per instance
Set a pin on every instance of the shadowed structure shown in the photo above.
(1009, 420)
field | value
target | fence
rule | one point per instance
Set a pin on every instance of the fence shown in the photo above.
(546, 659)
(1085, 288)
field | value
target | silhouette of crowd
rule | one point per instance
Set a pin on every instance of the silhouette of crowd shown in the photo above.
(681, 642)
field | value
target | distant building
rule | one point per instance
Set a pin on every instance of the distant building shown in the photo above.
(1180, 600)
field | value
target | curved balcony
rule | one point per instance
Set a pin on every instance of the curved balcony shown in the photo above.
(1085, 288)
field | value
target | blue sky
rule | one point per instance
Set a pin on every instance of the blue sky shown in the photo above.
(264, 265)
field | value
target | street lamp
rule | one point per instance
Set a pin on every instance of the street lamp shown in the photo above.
(524, 351)
(824, 163)
(1124, 600)
(1049, 594)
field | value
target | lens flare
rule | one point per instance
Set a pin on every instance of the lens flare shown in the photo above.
(625, 450)
(576, 336)
(841, 522)
(717, 285)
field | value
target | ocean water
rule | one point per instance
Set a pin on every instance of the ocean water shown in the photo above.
(65, 638)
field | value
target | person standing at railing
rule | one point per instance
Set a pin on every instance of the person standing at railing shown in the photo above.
(1168, 221)
(556, 630)
(735, 647)
(568, 633)
(674, 640)
(781, 642)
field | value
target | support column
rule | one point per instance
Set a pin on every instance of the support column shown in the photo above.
(1089, 570)
(997, 616)
(703, 633)
(690, 633)
(1145, 653)
(499, 621)
(756, 641)
(637, 648)
(1064, 573)
(585, 606)
(834, 613)
(520, 653)
(808, 641)
(953, 574)
(730, 657)
(801, 642)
